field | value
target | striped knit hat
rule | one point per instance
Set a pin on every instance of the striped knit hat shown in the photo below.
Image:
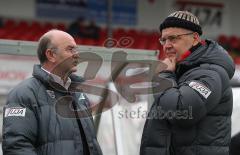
(182, 19)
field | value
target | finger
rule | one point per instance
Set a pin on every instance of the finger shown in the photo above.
(173, 59)
(166, 60)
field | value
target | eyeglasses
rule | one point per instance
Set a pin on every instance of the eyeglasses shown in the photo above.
(172, 38)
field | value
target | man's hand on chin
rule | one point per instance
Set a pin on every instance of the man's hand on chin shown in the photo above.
(170, 61)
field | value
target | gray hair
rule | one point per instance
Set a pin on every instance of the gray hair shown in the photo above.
(44, 43)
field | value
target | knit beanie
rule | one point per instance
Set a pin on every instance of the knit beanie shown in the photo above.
(182, 19)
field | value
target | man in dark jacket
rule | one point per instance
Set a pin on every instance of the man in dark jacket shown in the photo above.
(194, 116)
(44, 114)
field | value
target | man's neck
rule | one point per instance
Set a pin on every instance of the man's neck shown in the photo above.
(53, 70)
(65, 83)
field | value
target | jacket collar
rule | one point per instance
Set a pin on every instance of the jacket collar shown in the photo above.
(49, 81)
(58, 79)
(191, 50)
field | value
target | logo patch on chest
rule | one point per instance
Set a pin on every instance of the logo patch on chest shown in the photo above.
(203, 90)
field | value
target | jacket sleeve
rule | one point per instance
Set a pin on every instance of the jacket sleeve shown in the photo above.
(19, 125)
(187, 102)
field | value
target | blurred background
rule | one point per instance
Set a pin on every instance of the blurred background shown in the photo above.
(104, 27)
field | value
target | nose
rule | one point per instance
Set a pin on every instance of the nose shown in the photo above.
(167, 45)
(76, 55)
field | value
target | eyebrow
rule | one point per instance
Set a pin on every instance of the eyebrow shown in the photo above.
(71, 46)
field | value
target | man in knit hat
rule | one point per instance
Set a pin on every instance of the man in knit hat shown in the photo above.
(194, 116)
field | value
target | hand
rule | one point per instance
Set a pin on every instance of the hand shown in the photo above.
(171, 63)
(168, 63)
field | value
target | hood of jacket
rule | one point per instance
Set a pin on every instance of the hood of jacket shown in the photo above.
(211, 53)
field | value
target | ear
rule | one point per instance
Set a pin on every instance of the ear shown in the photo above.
(196, 38)
(51, 55)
